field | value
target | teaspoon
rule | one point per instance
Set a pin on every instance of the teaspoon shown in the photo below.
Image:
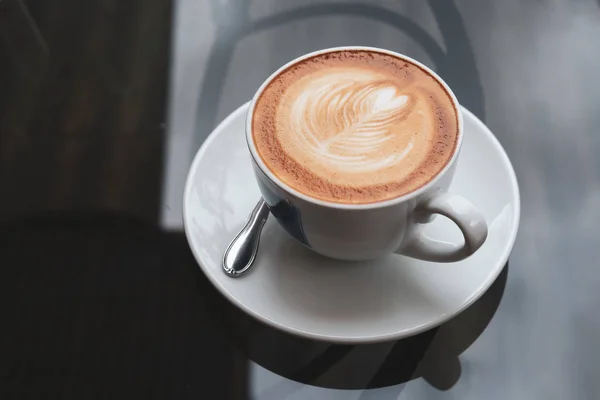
(241, 252)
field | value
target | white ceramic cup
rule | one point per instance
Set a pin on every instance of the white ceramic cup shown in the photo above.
(367, 231)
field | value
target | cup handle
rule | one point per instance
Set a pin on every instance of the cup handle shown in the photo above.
(458, 209)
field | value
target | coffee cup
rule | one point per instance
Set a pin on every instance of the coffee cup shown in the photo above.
(365, 190)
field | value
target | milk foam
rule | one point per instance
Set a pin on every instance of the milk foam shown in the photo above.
(355, 127)
(346, 119)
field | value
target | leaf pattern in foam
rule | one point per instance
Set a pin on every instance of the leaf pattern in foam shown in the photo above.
(346, 122)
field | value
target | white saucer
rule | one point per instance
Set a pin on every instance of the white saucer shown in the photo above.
(305, 294)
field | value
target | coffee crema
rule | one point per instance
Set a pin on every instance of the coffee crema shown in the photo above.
(355, 126)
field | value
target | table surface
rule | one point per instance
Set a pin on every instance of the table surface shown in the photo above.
(104, 103)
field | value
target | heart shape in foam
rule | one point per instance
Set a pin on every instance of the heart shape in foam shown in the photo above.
(358, 122)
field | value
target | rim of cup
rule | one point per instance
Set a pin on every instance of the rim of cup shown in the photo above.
(351, 206)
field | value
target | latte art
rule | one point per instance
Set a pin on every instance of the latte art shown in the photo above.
(354, 126)
(347, 120)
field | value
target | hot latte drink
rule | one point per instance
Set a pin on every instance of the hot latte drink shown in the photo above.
(355, 127)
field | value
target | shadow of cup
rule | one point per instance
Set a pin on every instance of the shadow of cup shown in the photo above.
(432, 355)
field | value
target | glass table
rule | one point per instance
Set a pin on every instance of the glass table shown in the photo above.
(103, 104)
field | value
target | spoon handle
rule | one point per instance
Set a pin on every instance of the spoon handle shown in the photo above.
(242, 250)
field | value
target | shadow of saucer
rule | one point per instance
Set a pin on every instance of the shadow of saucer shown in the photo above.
(432, 355)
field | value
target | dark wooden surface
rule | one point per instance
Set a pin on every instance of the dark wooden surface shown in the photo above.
(83, 105)
(95, 300)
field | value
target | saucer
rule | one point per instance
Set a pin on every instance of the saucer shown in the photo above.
(300, 292)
